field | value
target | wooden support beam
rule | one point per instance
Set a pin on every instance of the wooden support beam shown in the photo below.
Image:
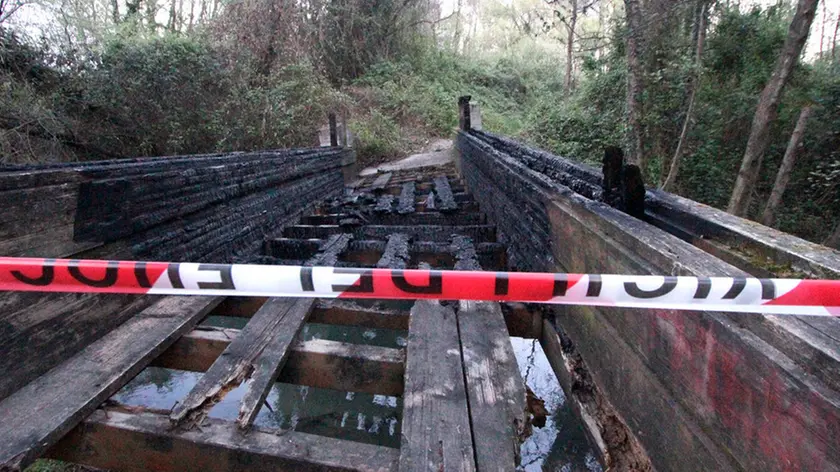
(417, 218)
(437, 233)
(239, 306)
(342, 312)
(316, 363)
(495, 387)
(435, 428)
(37, 415)
(257, 353)
(116, 439)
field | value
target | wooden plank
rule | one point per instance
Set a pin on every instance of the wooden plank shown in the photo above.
(37, 415)
(446, 200)
(385, 204)
(347, 367)
(116, 439)
(330, 250)
(316, 363)
(244, 307)
(435, 429)
(268, 364)
(495, 387)
(396, 255)
(272, 328)
(406, 202)
(381, 181)
(343, 312)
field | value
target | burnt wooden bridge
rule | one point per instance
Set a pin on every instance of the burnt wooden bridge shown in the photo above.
(464, 401)
(687, 391)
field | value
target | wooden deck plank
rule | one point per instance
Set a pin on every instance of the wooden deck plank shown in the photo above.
(316, 363)
(435, 429)
(495, 387)
(268, 364)
(446, 200)
(330, 250)
(115, 439)
(381, 182)
(273, 327)
(37, 415)
(348, 313)
(396, 254)
(406, 202)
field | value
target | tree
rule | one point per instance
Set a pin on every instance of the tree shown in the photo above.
(632, 11)
(768, 105)
(782, 178)
(693, 85)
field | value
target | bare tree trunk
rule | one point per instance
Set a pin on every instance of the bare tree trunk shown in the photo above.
(822, 28)
(834, 38)
(768, 218)
(172, 16)
(671, 179)
(634, 83)
(768, 105)
(192, 15)
(833, 239)
(115, 11)
(570, 47)
(457, 39)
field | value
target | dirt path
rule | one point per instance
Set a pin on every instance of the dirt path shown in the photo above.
(439, 152)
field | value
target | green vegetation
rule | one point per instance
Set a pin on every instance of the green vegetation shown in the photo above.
(155, 79)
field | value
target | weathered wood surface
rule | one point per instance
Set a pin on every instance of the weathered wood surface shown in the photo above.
(37, 415)
(348, 313)
(330, 250)
(436, 431)
(268, 364)
(396, 255)
(257, 354)
(445, 198)
(385, 204)
(406, 202)
(737, 398)
(495, 387)
(114, 439)
(436, 233)
(34, 342)
(348, 367)
(316, 363)
(381, 182)
(417, 218)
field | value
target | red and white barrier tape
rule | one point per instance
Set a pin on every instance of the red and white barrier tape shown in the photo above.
(733, 294)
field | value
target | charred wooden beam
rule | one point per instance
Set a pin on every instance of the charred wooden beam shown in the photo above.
(331, 249)
(446, 200)
(406, 202)
(395, 255)
(478, 233)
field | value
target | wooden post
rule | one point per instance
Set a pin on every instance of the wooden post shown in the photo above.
(464, 113)
(475, 116)
(333, 130)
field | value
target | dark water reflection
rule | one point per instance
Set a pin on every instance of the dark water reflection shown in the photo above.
(561, 445)
(374, 419)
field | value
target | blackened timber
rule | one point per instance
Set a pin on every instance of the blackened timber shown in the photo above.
(330, 250)
(268, 364)
(292, 248)
(435, 428)
(315, 363)
(465, 254)
(271, 329)
(437, 233)
(444, 193)
(37, 415)
(495, 387)
(384, 204)
(417, 218)
(406, 202)
(111, 435)
(396, 254)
